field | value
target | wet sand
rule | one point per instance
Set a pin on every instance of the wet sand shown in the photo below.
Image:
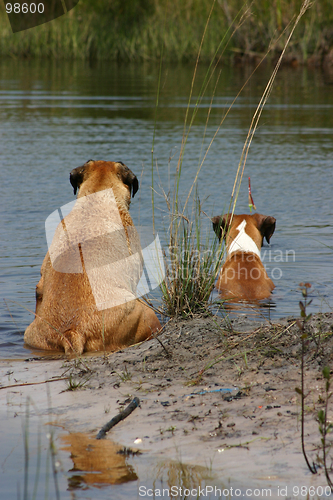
(249, 437)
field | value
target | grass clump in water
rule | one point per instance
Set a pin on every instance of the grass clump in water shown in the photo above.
(191, 267)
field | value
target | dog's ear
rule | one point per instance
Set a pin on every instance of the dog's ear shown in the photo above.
(128, 178)
(221, 224)
(77, 175)
(266, 225)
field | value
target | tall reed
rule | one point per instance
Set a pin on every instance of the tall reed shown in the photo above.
(192, 263)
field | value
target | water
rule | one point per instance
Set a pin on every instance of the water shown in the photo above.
(55, 116)
(38, 460)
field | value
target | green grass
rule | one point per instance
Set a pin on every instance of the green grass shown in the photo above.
(191, 267)
(192, 261)
(141, 29)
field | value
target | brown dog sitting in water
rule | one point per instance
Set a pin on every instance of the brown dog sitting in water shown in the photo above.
(86, 297)
(243, 276)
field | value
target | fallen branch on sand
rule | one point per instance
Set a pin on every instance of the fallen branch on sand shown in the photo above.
(34, 383)
(121, 416)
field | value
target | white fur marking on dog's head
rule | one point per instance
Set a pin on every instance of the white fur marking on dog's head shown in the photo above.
(243, 242)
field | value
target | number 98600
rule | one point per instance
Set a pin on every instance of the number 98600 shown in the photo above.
(25, 8)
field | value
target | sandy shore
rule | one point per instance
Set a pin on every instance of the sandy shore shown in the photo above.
(248, 437)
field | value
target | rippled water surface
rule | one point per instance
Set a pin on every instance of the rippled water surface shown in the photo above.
(55, 116)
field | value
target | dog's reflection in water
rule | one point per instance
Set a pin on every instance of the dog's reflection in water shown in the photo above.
(96, 462)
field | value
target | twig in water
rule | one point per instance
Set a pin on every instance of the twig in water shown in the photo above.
(121, 416)
(53, 448)
(12, 317)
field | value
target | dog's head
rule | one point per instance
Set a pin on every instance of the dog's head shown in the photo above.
(96, 176)
(257, 226)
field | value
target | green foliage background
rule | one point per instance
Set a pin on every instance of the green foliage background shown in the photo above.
(139, 29)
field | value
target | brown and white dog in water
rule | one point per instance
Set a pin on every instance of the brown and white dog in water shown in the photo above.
(86, 297)
(243, 276)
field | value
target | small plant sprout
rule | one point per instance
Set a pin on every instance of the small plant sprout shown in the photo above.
(301, 325)
(324, 426)
(304, 287)
(125, 375)
(74, 383)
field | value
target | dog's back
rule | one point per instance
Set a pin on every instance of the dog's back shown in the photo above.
(243, 276)
(86, 297)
